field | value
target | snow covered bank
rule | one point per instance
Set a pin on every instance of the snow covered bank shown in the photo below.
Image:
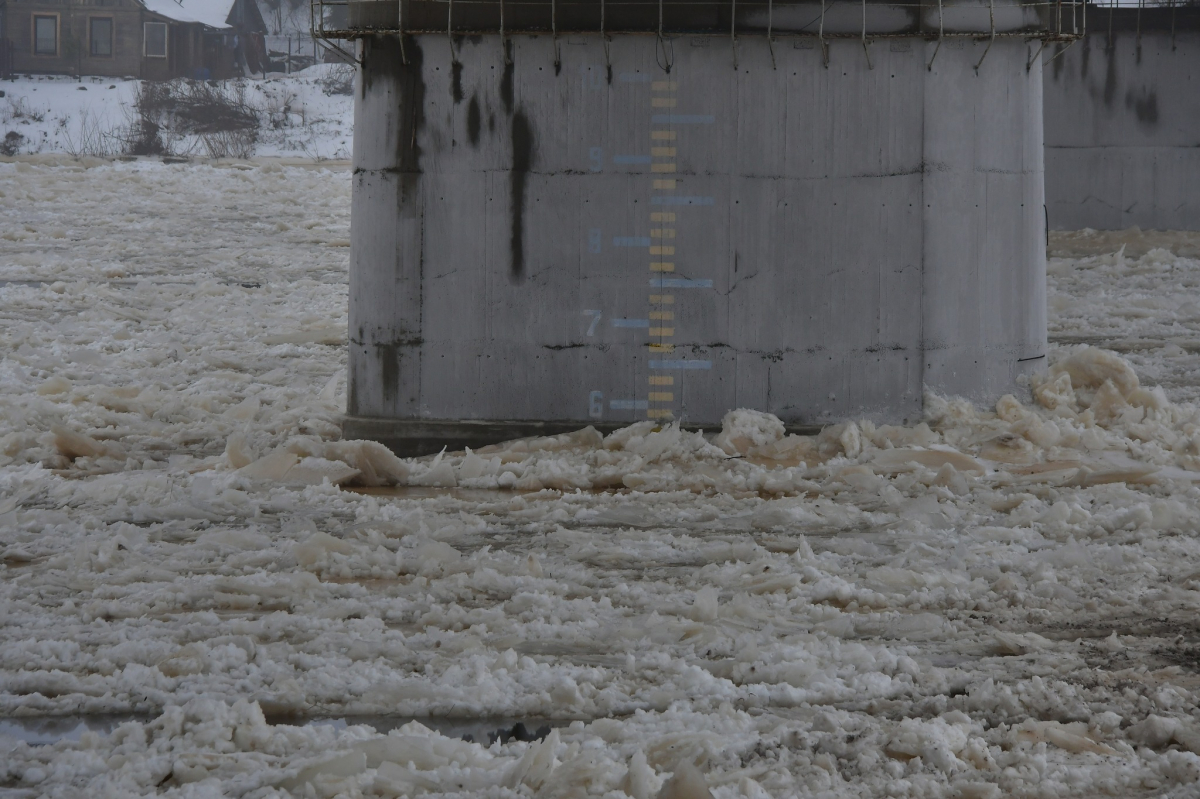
(998, 602)
(307, 114)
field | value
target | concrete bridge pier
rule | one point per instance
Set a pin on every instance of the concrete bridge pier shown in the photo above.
(551, 233)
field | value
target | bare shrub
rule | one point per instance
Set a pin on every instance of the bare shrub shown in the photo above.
(18, 109)
(230, 143)
(339, 81)
(10, 145)
(279, 111)
(179, 117)
(91, 138)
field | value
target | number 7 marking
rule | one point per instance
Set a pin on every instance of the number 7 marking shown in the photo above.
(595, 321)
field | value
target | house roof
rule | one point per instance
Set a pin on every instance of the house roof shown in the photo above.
(213, 13)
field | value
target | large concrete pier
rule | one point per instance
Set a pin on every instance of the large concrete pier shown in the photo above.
(554, 232)
(1123, 123)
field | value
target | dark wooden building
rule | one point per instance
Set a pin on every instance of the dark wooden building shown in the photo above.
(148, 39)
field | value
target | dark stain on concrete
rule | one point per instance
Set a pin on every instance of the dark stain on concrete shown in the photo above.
(411, 90)
(1086, 57)
(1059, 62)
(456, 81)
(1144, 105)
(366, 75)
(389, 354)
(506, 78)
(473, 121)
(522, 162)
(491, 123)
(389, 363)
(1110, 77)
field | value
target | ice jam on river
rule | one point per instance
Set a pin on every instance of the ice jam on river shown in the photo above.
(996, 602)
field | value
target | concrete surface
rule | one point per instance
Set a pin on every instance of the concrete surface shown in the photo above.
(1123, 125)
(842, 236)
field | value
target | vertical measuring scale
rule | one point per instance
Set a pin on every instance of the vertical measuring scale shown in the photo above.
(663, 398)
(668, 286)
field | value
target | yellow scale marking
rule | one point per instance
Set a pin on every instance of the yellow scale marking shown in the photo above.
(660, 249)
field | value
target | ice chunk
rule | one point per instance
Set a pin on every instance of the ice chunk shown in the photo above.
(1090, 367)
(1055, 392)
(472, 466)
(436, 557)
(1154, 731)
(289, 468)
(686, 783)
(244, 410)
(704, 606)
(424, 752)
(851, 440)
(1009, 408)
(238, 452)
(1071, 737)
(1020, 643)
(619, 438)
(744, 429)
(318, 546)
(440, 474)
(376, 463)
(537, 764)
(640, 780)
(342, 765)
(903, 459)
(270, 467)
(394, 780)
(315, 471)
(1187, 737)
(190, 659)
(53, 386)
(76, 445)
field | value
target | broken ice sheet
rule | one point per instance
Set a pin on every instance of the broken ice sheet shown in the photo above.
(998, 601)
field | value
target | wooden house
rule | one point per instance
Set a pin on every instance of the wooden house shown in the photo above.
(148, 39)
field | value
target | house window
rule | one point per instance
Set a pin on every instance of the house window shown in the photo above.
(45, 34)
(156, 39)
(100, 36)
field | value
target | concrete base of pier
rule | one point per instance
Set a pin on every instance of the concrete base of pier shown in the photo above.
(553, 233)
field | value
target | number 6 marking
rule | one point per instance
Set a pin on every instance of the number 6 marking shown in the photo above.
(596, 404)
